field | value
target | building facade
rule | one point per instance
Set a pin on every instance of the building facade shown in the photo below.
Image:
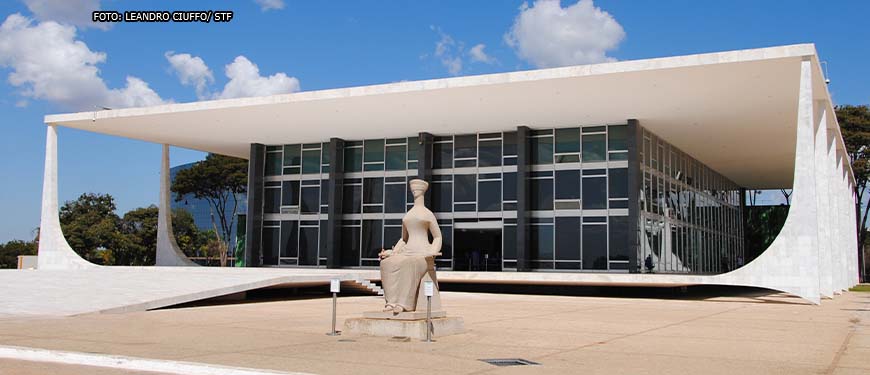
(201, 210)
(568, 186)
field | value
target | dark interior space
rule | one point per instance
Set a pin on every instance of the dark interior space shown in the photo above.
(477, 250)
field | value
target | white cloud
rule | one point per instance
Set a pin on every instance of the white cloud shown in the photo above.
(191, 70)
(479, 55)
(246, 81)
(71, 12)
(48, 63)
(270, 4)
(449, 52)
(547, 35)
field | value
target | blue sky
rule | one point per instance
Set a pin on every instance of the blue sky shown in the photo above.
(320, 45)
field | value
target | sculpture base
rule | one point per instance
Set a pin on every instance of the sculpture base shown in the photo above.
(407, 315)
(415, 329)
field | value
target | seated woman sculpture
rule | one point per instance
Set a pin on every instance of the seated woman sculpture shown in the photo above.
(404, 266)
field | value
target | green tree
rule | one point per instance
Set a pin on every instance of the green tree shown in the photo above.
(92, 227)
(855, 127)
(140, 225)
(10, 251)
(220, 180)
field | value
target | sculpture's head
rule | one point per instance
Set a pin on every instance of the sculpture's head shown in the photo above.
(418, 187)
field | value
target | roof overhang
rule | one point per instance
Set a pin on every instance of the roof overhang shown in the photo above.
(734, 111)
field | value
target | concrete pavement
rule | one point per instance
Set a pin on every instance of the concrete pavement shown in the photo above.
(746, 334)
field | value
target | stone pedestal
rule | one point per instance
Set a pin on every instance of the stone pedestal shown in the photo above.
(413, 328)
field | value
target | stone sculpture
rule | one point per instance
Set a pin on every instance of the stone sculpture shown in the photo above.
(412, 259)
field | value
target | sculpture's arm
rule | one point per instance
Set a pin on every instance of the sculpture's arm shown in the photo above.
(435, 247)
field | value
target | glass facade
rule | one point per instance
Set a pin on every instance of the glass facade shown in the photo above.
(691, 220)
(578, 185)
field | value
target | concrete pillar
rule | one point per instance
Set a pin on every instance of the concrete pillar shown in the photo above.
(168, 252)
(54, 252)
(524, 162)
(824, 216)
(254, 217)
(335, 198)
(635, 177)
(791, 263)
(424, 163)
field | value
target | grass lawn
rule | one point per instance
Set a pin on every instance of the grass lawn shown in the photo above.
(861, 288)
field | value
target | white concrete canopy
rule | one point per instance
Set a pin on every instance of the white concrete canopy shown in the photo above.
(762, 118)
(745, 100)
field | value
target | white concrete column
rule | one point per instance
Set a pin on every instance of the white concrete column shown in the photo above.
(831, 190)
(168, 252)
(54, 252)
(791, 263)
(823, 173)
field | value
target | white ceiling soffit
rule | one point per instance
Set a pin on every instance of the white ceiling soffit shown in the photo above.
(734, 111)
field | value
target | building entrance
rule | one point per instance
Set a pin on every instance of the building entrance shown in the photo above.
(477, 249)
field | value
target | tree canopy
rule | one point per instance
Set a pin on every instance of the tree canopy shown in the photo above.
(218, 179)
(855, 127)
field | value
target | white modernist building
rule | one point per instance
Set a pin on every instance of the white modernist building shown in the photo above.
(588, 174)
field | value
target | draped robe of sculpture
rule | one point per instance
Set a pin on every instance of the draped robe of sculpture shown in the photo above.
(403, 267)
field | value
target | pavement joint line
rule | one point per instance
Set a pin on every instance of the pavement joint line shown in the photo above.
(128, 363)
(842, 349)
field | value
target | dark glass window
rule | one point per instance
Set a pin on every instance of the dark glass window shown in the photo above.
(289, 239)
(352, 199)
(323, 224)
(350, 237)
(618, 182)
(509, 239)
(567, 140)
(619, 229)
(324, 192)
(396, 158)
(465, 146)
(271, 241)
(442, 155)
(446, 242)
(392, 236)
(567, 238)
(272, 200)
(353, 159)
(310, 200)
(311, 161)
(510, 143)
(308, 245)
(568, 184)
(413, 146)
(465, 188)
(394, 198)
(374, 150)
(290, 195)
(373, 188)
(542, 193)
(292, 156)
(442, 197)
(616, 137)
(542, 241)
(490, 153)
(594, 148)
(595, 247)
(594, 193)
(489, 196)
(510, 186)
(542, 150)
(371, 238)
(273, 164)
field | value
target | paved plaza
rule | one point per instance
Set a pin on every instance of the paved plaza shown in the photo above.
(745, 333)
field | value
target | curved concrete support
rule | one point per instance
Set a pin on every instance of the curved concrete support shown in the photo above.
(54, 252)
(791, 263)
(168, 252)
(823, 172)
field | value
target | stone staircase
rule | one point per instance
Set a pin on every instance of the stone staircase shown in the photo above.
(364, 285)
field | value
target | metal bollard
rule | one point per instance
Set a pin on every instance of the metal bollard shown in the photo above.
(429, 290)
(335, 288)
